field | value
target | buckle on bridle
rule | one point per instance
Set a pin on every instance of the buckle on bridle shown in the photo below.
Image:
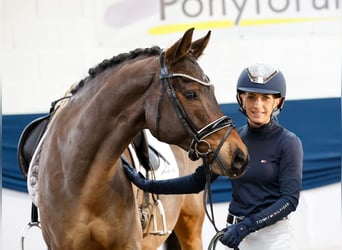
(207, 146)
(221, 123)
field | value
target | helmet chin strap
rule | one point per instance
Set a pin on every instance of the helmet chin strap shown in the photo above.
(279, 107)
(241, 109)
(275, 112)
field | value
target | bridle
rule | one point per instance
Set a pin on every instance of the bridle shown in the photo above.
(197, 136)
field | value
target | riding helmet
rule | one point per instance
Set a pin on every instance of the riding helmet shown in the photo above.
(262, 78)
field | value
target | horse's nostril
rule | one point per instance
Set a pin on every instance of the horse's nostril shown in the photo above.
(239, 160)
(239, 163)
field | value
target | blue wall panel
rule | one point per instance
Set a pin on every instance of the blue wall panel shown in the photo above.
(316, 121)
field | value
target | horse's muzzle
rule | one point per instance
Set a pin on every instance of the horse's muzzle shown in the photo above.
(239, 164)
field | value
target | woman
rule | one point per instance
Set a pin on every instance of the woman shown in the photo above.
(269, 190)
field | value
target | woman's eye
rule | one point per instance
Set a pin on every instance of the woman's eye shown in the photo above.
(190, 95)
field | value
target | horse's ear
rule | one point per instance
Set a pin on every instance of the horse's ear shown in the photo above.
(180, 48)
(199, 45)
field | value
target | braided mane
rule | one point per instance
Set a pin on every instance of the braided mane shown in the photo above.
(114, 61)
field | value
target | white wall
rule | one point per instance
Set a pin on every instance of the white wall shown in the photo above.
(316, 223)
(47, 45)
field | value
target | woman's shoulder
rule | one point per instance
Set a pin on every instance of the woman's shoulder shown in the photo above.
(242, 129)
(288, 137)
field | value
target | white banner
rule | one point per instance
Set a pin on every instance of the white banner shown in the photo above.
(49, 47)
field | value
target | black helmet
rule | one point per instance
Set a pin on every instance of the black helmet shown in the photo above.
(261, 78)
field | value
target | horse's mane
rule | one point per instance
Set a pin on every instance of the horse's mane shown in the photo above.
(112, 62)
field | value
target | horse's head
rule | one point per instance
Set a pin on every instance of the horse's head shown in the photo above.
(188, 114)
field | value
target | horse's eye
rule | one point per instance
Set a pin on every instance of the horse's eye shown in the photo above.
(186, 80)
(191, 95)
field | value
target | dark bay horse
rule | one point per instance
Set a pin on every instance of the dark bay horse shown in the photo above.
(85, 200)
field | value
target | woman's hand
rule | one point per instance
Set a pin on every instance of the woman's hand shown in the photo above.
(137, 178)
(235, 233)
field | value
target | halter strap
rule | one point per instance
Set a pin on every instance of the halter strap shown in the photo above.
(164, 77)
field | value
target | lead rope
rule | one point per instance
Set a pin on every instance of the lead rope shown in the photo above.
(215, 239)
(208, 194)
(219, 234)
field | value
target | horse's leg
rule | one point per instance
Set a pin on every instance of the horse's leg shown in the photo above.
(188, 228)
(187, 233)
(184, 213)
(172, 205)
(189, 225)
(172, 242)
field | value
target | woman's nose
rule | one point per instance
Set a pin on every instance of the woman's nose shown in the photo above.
(257, 102)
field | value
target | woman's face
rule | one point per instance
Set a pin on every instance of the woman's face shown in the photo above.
(259, 107)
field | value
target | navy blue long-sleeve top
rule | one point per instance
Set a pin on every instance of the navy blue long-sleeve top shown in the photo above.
(269, 190)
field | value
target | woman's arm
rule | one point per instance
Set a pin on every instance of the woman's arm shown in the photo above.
(193, 183)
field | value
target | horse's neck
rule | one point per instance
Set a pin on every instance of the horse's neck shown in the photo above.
(114, 113)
